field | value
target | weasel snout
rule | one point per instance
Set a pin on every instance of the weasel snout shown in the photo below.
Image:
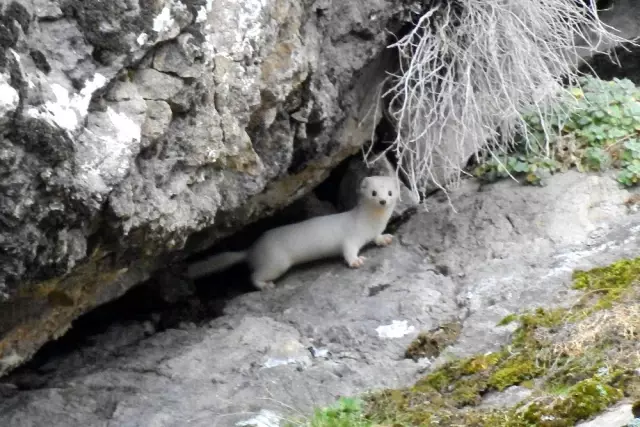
(383, 202)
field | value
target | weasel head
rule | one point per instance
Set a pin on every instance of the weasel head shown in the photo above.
(379, 192)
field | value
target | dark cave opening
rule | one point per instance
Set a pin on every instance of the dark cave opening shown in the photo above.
(624, 63)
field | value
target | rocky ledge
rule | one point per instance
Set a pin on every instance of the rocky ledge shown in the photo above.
(329, 331)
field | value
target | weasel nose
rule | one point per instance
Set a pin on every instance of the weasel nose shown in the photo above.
(383, 202)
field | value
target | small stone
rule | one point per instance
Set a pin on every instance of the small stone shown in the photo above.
(172, 58)
(123, 91)
(158, 119)
(47, 9)
(154, 85)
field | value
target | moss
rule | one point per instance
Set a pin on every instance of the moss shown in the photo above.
(530, 384)
(453, 376)
(583, 400)
(541, 318)
(467, 392)
(508, 319)
(346, 412)
(438, 380)
(431, 343)
(481, 363)
(608, 283)
(570, 371)
(514, 371)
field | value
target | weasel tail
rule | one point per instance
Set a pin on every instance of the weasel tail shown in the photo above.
(215, 263)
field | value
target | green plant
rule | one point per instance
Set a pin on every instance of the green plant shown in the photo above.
(594, 126)
(346, 412)
(630, 159)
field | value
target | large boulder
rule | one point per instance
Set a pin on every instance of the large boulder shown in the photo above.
(126, 126)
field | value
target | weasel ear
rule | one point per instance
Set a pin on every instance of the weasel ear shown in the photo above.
(364, 183)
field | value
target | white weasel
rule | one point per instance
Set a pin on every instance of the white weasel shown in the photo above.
(279, 249)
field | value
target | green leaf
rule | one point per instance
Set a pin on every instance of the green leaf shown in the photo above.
(521, 167)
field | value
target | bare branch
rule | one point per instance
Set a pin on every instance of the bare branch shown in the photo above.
(469, 68)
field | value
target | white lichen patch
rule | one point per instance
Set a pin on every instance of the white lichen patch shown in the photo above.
(81, 102)
(272, 362)
(9, 97)
(127, 130)
(142, 38)
(107, 151)
(60, 111)
(202, 15)
(240, 27)
(10, 361)
(15, 55)
(163, 21)
(397, 329)
(265, 418)
(166, 24)
(67, 112)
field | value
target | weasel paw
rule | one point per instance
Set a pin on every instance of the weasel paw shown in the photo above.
(265, 286)
(384, 239)
(357, 263)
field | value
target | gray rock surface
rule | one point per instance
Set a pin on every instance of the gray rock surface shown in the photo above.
(617, 416)
(327, 331)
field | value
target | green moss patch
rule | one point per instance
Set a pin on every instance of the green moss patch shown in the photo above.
(608, 284)
(577, 362)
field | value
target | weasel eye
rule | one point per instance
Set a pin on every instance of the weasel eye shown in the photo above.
(374, 194)
(390, 193)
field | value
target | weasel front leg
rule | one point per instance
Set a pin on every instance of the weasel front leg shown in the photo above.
(350, 253)
(383, 240)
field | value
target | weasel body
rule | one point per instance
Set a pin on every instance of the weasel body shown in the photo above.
(279, 249)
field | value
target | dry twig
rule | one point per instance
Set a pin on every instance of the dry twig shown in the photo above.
(469, 68)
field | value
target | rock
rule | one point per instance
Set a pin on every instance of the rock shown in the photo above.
(618, 416)
(179, 57)
(505, 399)
(154, 85)
(329, 331)
(497, 251)
(157, 120)
(311, 206)
(127, 129)
(48, 9)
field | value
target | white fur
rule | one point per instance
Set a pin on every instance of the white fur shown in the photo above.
(279, 249)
